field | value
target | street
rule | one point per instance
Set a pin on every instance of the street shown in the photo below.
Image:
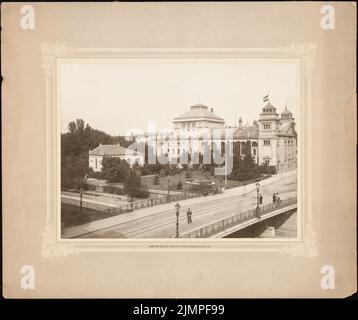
(159, 221)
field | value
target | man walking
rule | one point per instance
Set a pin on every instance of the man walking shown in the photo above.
(188, 215)
(278, 200)
(274, 198)
(261, 198)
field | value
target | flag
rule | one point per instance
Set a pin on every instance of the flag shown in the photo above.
(265, 98)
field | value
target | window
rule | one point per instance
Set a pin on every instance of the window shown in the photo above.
(254, 144)
(267, 142)
(254, 152)
(267, 162)
(267, 125)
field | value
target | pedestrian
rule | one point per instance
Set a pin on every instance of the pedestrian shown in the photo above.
(261, 198)
(188, 214)
(274, 198)
(278, 199)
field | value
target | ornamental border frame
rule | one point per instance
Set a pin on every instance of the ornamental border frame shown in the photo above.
(53, 246)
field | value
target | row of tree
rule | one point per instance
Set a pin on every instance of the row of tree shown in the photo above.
(245, 167)
(75, 145)
(81, 138)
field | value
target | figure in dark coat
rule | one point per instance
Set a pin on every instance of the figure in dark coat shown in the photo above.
(188, 214)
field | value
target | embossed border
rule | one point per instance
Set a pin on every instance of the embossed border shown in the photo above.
(304, 245)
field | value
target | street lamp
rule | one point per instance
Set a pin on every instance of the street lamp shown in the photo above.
(258, 200)
(82, 180)
(168, 196)
(177, 208)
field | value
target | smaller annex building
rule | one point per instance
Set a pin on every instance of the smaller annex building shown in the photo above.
(96, 156)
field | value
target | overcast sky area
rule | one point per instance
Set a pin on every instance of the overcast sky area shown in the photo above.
(115, 97)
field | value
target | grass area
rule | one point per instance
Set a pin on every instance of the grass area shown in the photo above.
(195, 174)
(71, 215)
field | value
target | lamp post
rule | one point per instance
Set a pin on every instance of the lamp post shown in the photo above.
(177, 208)
(82, 180)
(168, 196)
(258, 200)
(225, 168)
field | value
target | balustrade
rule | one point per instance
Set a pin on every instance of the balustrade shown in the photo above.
(219, 226)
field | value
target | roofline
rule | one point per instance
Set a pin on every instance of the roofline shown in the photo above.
(178, 119)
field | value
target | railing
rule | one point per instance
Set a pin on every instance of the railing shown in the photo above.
(229, 222)
(138, 204)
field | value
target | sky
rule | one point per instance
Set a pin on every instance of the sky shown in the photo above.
(116, 97)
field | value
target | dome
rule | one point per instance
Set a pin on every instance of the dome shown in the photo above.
(269, 108)
(199, 112)
(286, 113)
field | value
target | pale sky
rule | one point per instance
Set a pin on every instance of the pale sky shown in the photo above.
(116, 97)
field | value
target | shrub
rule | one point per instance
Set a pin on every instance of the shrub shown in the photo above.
(141, 194)
(265, 169)
(113, 190)
(156, 180)
(179, 185)
(146, 171)
(89, 187)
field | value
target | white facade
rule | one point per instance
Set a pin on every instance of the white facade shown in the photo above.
(272, 138)
(96, 156)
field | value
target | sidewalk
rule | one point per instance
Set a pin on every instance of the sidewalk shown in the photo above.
(146, 212)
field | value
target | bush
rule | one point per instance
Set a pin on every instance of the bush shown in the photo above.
(156, 180)
(141, 194)
(113, 190)
(179, 185)
(95, 174)
(146, 171)
(89, 187)
(265, 169)
(188, 175)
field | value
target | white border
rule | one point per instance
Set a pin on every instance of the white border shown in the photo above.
(304, 245)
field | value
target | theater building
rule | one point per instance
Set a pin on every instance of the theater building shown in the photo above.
(272, 138)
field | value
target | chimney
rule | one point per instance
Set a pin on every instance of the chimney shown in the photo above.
(212, 110)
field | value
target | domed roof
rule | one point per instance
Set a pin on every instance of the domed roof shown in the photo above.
(286, 112)
(199, 111)
(269, 108)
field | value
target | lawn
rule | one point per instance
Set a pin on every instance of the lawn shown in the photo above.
(195, 174)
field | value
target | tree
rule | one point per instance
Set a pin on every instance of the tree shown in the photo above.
(75, 145)
(115, 169)
(248, 159)
(237, 161)
(132, 184)
(244, 168)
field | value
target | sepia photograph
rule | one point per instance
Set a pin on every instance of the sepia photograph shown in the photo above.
(179, 150)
